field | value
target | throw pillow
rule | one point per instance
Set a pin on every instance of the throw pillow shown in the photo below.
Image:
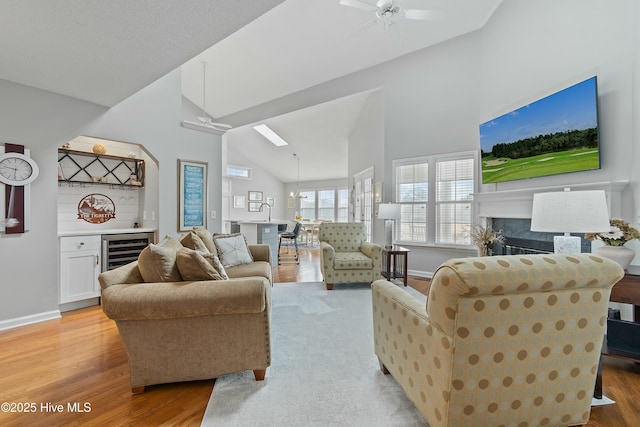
(206, 238)
(192, 241)
(232, 250)
(157, 263)
(215, 261)
(194, 266)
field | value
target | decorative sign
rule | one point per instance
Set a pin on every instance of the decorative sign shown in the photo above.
(96, 208)
(192, 198)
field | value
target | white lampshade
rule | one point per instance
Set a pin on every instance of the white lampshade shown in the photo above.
(570, 212)
(389, 211)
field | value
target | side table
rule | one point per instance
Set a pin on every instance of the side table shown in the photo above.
(627, 290)
(394, 262)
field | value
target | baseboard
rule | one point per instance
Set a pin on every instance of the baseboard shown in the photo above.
(75, 305)
(418, 273)
(28, 320)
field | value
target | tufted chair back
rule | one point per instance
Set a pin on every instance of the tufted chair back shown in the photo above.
(343, 236)
(507, 340)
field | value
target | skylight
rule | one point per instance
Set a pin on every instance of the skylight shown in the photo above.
(266, 131)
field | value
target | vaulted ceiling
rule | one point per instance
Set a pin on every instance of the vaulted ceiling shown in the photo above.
(302, 43)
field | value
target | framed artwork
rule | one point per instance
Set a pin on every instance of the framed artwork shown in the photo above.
(192, 194)
(238, 202)
(255, 196)
(254, 206)
(271, 201)
(291, 203)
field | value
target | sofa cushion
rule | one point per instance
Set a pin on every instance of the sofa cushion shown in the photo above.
(196, 265)
(257, 268)
(206, 238)
(157, 263)
(352, 261)
(232, 249)
(192, 241)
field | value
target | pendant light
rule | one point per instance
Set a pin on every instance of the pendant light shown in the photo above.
(297, 194)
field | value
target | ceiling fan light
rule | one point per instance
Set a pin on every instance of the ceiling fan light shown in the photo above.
(268, 133)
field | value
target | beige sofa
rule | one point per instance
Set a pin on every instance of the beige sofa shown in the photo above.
(506, 340)
(192, 330)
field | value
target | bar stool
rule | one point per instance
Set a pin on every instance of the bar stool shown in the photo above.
(293, 235)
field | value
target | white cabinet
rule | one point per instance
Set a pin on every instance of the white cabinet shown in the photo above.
(79, 268)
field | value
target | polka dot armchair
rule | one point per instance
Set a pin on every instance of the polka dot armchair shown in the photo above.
(502, 341)
(346, 256)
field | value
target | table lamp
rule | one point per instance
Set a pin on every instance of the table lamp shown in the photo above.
(389, 212)
(570, 212)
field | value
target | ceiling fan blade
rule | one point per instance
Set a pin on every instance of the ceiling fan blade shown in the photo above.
(421, 15)
(220, 125)
(207, 121)
(359, 4)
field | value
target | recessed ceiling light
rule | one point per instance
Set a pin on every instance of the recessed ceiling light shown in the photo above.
(270, 135)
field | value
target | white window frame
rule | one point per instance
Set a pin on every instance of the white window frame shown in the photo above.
(432, 202)
(238, 167)
(316, 199)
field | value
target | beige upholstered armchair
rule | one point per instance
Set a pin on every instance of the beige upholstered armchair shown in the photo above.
(346, 256)
(507, 340)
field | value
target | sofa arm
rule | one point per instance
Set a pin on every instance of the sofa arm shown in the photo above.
(372, 250)
(166, 300)
(129, 273)
(261, 252)
(396, 310)
(327, 255)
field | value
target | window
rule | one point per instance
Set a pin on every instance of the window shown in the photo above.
(327, 205)
(330, 204)
(238, 171)
(343, 205)
(435, 197)
(308, 205)
(454, 189)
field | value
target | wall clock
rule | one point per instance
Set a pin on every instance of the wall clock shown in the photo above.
(17, 169)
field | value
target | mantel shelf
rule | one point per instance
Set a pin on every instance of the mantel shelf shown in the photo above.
(81, 167)
(518, 203)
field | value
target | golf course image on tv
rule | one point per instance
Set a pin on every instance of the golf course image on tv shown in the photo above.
(554, 135)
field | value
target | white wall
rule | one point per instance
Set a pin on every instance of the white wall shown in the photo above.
(152, 119)
(42, 122)
(260, 180)
(368, 138)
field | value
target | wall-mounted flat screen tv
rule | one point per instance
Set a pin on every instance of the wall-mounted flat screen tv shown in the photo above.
(556, 134)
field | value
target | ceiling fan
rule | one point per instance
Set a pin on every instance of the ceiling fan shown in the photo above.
(204, 122)
(390, 11)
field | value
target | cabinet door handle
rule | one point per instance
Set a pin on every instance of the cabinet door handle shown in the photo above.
(97, 260)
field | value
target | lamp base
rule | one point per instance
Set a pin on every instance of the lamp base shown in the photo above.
(388, 233)
(566, 245)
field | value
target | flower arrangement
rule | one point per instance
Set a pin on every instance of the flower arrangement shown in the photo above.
(621, 232)
(485, 238)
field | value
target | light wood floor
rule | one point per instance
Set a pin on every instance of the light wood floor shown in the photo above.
(80, 359)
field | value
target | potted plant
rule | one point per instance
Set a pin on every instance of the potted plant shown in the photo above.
(485, 238)
(614, 239)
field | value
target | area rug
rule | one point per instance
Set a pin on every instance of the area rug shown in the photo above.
(323, 371)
